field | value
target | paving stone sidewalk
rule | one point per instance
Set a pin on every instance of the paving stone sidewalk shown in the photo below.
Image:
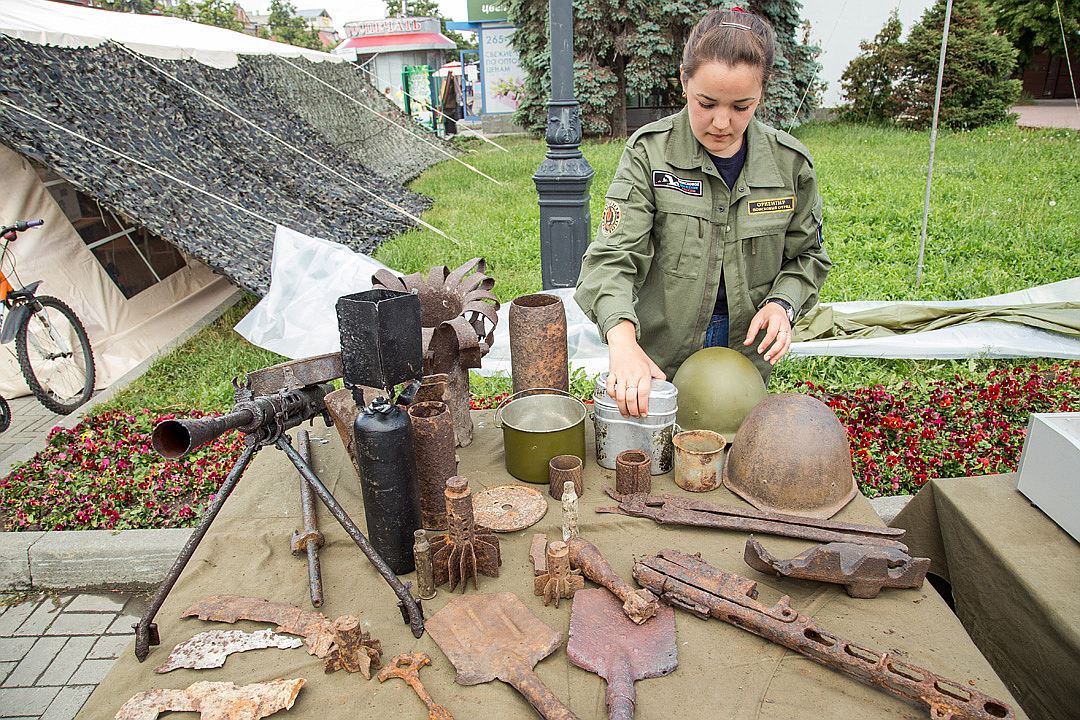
(30, 422)
(54, 651)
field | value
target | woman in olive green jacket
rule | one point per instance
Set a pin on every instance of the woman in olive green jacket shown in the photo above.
(712, 225)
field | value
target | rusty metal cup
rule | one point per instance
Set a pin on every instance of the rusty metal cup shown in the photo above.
(699, 459)
(565, 468)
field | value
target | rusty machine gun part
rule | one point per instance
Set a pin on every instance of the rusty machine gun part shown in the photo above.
(604, 641)
(687, 582)
(466, 548)
(264, 420)
(862, 569)
(310, 540)
(494, 636)
(558, 580)
(215, 700)
(340, 642)
(212, 648)
(458, 314)
(675, 510)
(425, 566)
(407, 668)
(639, 605)
(633, 472)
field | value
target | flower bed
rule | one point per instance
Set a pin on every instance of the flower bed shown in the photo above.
(103, 475)
(901, 437)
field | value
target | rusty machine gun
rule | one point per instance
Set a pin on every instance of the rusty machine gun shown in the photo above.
(687, 582)
(267, 404)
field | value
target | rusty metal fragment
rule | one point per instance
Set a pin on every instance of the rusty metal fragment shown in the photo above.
(295, 374)
(466, 548)
(675, 510)
(538, 354)
(563, 469)
(559, 581)
(604, 641)
(633, 472)
(432, 388)
(507, 508)
(569, 511)
(436, 459)
(458, 314)
(538, 553)
(639, 605)
(686, 581)
(308, 541)
(341, 643)
(407, 668)
(494, 636)
(862, 569)
(211, 648)
(425, 567)
(215, 700)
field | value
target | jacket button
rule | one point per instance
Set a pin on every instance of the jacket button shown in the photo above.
(728, 228)
(720, 209)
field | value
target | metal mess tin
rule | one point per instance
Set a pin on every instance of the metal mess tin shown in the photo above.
(652, 433)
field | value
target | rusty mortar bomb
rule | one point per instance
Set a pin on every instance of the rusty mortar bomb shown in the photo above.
(466, 549)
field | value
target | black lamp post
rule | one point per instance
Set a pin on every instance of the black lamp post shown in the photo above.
(564, 176)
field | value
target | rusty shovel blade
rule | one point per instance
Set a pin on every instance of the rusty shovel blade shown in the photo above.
(606, 642)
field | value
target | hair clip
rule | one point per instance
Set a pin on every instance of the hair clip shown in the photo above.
(735, 24)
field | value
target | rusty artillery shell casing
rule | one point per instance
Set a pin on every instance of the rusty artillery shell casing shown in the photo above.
(436, 458)
(425, 568)
(563, 469)
(632, 472)
(538, 356)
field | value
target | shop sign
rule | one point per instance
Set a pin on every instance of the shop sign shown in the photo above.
(487, 10)
(392, 26)
(504, 80)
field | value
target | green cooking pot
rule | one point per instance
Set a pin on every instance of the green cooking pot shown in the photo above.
(537, 427)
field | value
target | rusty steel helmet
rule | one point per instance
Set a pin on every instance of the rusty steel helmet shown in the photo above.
(717, 388)
(792, 456)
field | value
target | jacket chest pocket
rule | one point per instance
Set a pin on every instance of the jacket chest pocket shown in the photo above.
(681, 234)
(762, 249)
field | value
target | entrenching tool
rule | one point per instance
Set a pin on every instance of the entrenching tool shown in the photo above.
(494, 636)
(688, 582)
(862, 569)
(407, 668)
(604, 641)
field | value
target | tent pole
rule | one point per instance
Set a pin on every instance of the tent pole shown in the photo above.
(933, 143)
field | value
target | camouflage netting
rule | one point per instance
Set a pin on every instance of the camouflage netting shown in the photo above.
(115, 99)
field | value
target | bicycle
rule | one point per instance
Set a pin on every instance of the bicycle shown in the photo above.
(51, 345)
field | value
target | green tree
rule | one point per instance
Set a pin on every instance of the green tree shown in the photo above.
(140, 7)
(288, 27)
(427, 8)
(869, 79)
(221, 13)
(794, 90)
(976, 88)
(1031, 25)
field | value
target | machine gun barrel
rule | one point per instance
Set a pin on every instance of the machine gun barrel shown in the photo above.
(176, 438)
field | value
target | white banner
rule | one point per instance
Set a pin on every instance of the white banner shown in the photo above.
(503, 77)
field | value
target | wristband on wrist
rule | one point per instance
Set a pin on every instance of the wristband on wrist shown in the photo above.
(787, 308)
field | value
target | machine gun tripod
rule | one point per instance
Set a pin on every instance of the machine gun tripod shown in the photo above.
(267, 404)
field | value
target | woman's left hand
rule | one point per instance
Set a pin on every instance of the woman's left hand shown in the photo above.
(773, 319)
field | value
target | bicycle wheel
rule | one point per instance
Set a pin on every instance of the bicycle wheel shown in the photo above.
(5, 415)
(55, 355)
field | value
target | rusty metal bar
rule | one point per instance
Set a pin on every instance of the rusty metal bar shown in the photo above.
(311, 539)
(688, 582)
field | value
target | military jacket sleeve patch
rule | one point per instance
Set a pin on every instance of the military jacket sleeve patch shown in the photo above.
(612, 218)
(664, 179)
(771, 205)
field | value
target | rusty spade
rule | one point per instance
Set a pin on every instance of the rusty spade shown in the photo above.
(603, 640)
(407, 668)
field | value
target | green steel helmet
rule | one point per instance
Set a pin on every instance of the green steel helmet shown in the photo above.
(717, 388)
(792, 456)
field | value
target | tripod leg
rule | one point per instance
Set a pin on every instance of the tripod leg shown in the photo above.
(409, 604)
(146, 631)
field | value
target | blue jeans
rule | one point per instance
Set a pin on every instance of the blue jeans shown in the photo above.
(716, 335)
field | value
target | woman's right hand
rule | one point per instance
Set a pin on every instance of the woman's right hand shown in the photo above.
(630, 371)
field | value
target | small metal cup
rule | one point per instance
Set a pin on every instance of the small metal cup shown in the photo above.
(699, 459)
(564, 468)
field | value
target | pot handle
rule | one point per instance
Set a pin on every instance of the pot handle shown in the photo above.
(513, 396)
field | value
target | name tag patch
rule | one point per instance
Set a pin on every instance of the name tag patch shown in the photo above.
(771, 205)
(664, 179)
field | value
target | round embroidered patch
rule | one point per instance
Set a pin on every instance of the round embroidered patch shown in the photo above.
(612, 217)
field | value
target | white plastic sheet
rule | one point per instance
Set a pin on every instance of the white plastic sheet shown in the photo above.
(297, 317)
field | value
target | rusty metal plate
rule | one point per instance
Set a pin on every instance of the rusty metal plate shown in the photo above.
(210, 649)
(215, 700)
(507, 508)
(295, 374)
